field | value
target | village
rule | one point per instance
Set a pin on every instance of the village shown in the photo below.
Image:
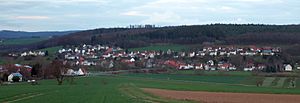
(108, 58)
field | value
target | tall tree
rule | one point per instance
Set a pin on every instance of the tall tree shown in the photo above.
(58, 70)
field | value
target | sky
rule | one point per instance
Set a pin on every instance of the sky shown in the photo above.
(60, 15)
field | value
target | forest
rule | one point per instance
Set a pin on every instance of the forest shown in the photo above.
(221, 34)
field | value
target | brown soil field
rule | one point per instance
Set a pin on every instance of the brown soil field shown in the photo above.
(218, 97)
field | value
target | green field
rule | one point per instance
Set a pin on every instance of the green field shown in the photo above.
(225, 73)
(126, 89)
(195, 78)
(52, 50)
(161, 47)
(21, 41)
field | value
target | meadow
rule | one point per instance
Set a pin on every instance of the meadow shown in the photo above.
(52, 50)
(126, 88)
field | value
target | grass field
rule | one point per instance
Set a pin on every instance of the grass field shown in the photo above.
(123, 89)
(227, 73)
(161, 47)
(241, 78)
(194, 78)
(52, 50)
(22, 41)
(86, 90)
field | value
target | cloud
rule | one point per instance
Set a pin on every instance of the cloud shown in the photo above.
(133, 13)
(32, 17)
(168, 18)
(260, 1)
(80, 14)
(223, 9)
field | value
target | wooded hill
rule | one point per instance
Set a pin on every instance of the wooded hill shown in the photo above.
(225, 34)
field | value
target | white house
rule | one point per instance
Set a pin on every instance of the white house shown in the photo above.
(70, 72)
(288, 67)
(132, 60)
(232, 68)
(80, 72)
(186, 67)
(12, 75)
(249, 68)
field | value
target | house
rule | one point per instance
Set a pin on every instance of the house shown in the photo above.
(267, 52)
(171, 63)
(70, 72)
(232, 53)
(250, 53)
(192, 54)
(213, 53)
(111, 64)
(199, 66)
(223, 53)
(261, 66)
(211, 62)
(80, 72)
(297, 66)
(15, 77)
(202, 53)
(249, 67)
(132, 60)
(128, 62)
(223, 66)
(288, 67)
(206, 67)
(149, 63)
(212, 68)
(232, 68)
(185, 67)
(88, 63)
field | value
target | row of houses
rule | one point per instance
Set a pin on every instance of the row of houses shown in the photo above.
(201, 66)
(225, 66)
(260, 67)
(247, 51)
(29, 53)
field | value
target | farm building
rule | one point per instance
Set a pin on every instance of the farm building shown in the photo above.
(288, 67)
(80, 72)
(15, 77)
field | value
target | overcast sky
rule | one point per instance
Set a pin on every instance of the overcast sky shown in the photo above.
(49, 15)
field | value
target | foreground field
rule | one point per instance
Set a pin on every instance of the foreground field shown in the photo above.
(238, 78)
(213, 97)
(120, 89)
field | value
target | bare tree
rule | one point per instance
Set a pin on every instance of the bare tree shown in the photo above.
(58, 69)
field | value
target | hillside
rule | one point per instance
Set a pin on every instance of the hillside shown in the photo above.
(223, 34)
(5, 34)
(198, 34)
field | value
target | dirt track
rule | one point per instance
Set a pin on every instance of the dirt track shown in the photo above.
(213, 97)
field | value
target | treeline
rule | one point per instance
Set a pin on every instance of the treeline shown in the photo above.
(252, 34)
(218, 33)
